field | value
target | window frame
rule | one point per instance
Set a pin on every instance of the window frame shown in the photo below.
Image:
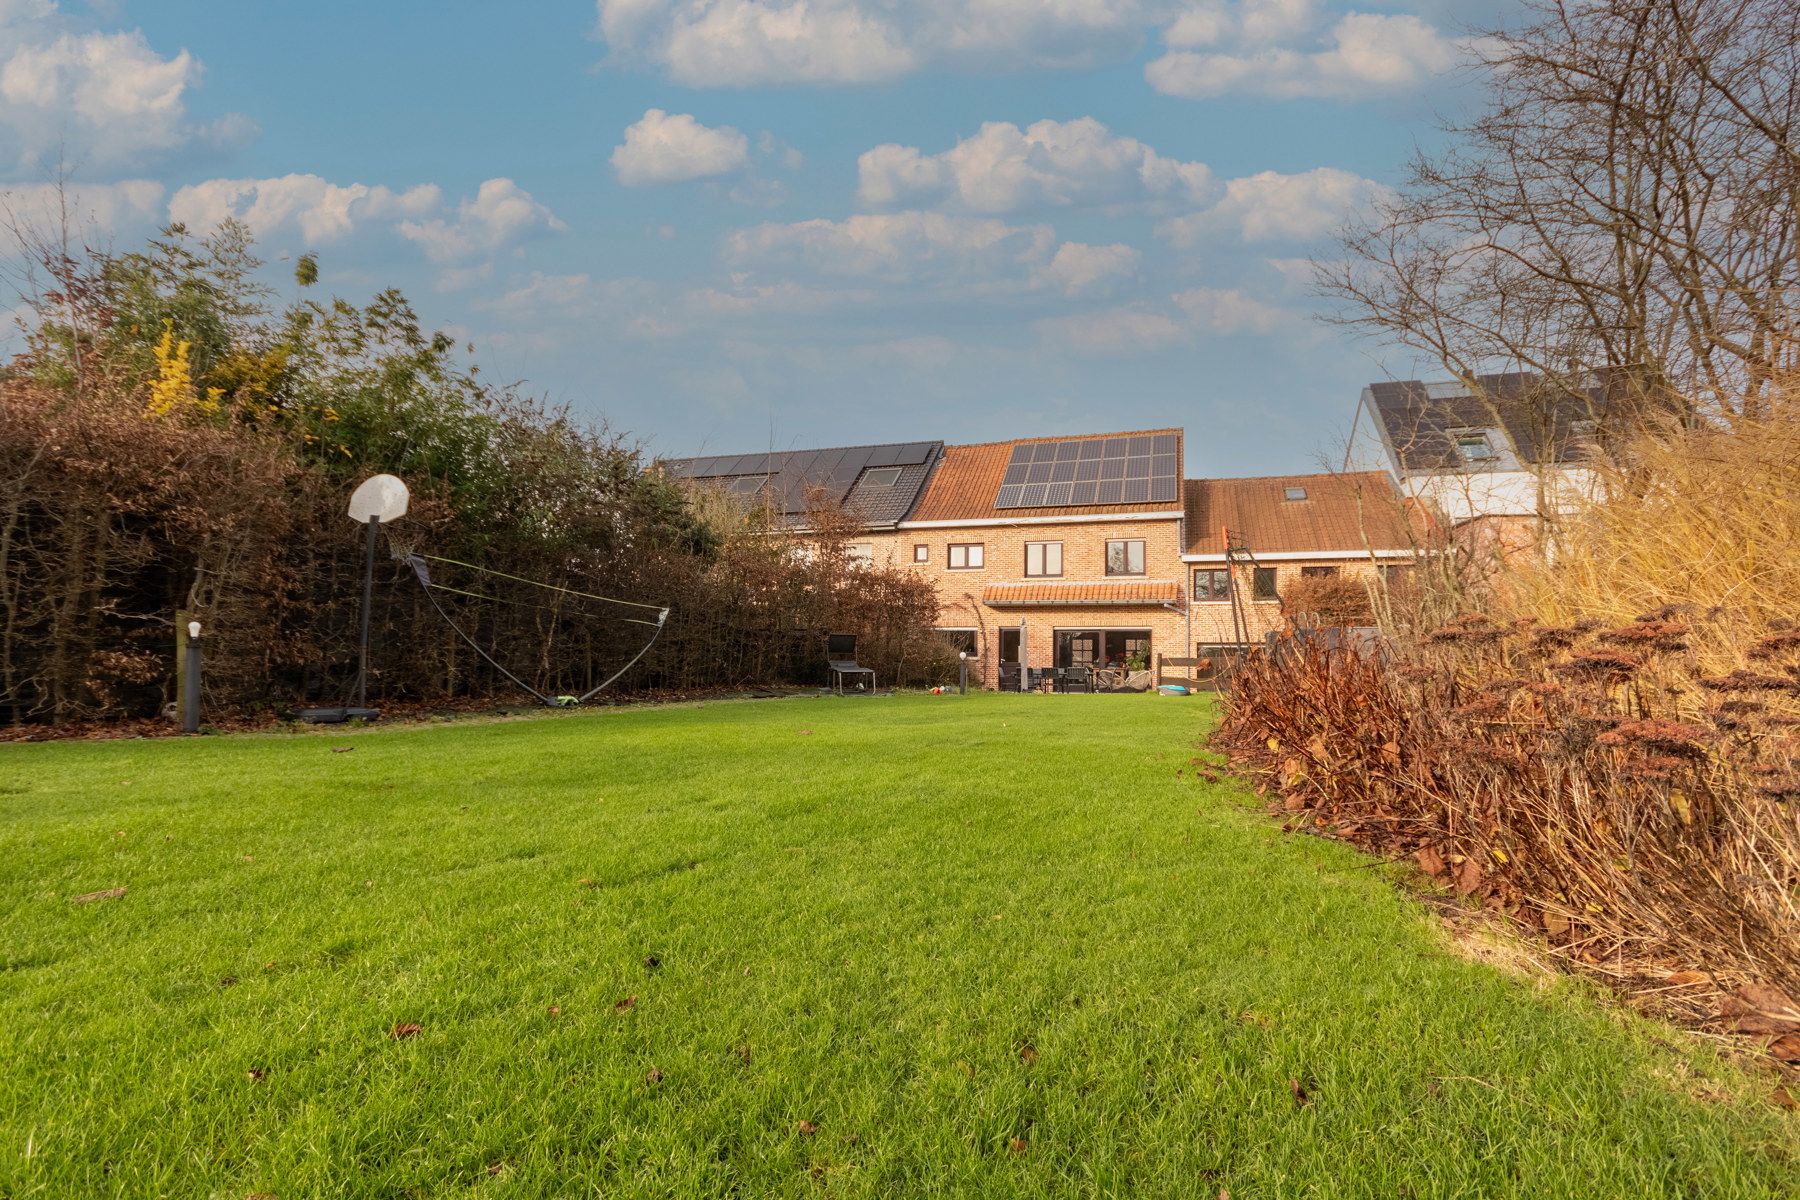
(861, 553)
(1459, 436)
(1319, 572)
(1293, 492)
(976, 562)
(1044, 560)
(1212, 596)
(1142, 557)
(1257, 576)
(889, 475)
(921, 552)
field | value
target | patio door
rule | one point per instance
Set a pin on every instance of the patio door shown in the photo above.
(1117, 648)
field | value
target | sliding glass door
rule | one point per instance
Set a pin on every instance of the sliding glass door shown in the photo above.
(1117, 648)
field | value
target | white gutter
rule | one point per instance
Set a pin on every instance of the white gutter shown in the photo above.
(1070, 519)
(1304, 555)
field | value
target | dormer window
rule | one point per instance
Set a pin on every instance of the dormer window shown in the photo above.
(1293, 493)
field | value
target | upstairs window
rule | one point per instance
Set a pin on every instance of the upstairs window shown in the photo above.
(967, 556)
(1318, 572)
(1043, 559)
(1125, 557)
(1262, 584)
(1211, 584)
(921, 553)
(862, 553)
(881, 477)
(1293, 493)
(1475, 448)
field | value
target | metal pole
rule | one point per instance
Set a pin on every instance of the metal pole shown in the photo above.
(190, 689)
(963, 684)
(362, 660)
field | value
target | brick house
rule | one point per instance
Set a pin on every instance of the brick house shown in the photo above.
(1075, 551)
(1051, 552)
(1288, 527)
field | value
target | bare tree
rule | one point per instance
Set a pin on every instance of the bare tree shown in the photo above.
(1623, 209)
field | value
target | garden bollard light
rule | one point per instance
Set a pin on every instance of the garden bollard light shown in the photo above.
(964, 685)
(190, 682)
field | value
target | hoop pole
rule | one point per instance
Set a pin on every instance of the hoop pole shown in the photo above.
(362, 659)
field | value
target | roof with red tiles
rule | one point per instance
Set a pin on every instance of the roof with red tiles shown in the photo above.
(1022, 595)
(967, 479)
(1297, 514)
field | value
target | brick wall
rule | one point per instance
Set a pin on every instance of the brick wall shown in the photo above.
(1084, 561)
(1212, 619)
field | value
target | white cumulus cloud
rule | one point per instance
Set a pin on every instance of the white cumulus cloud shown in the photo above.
(102, 101)
(670, 148)
(322, 211)
(1271, 206)
(734, 43)
(43, 208)
(1364, 54)
(501, 214)
(1003, 168)
(1077, 268)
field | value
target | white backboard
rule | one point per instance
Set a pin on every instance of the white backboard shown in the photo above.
(382, 496)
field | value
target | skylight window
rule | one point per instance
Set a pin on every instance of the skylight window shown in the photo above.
(1475, 448)
(1293, 493)
(881, 477)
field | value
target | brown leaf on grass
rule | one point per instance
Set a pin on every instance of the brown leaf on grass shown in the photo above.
(1784, 1099)
(1430, 862)
(256, 1074)
(1301, 1098)
(1028, 1054)
(655, 1075)
(1018, 1145)
(805, 732)
(651, 962)
(342, 749)
(586, 883)
(1786, 1048)
(405, 1030)
(1687, 978)
(807, 1128)
(556, 1010)
(626, 1005)
(90, 897)
(1759, 1008)
(1468, 877)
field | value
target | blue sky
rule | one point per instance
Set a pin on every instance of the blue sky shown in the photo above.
(725, 224)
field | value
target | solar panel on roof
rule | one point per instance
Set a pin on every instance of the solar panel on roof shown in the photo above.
(1141, 469)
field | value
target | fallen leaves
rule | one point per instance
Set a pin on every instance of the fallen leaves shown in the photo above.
(626, 1005)
(342, 749)
(1430, 862)
(1028, 1054)
(1784, 1099)
(1761, 1009)
(1301, 1097)
(406, 1029)
(256, 1074)
(555, 1010)
(1018, 1145)
(655, 1076)
(92, 897)
(807, 1128)
(651, 962)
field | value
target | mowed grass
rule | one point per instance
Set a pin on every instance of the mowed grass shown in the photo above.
(916, 946)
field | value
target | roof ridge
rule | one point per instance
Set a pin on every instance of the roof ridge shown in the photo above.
(806, 450)
(1271, 478)
(1065, 437)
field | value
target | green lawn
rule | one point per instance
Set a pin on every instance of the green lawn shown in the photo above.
(986, 946)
